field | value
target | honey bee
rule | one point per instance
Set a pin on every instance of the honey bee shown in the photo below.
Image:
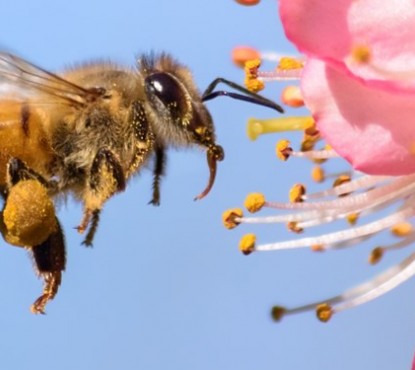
(85, 133)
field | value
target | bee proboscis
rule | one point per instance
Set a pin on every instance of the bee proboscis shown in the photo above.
(86, 132)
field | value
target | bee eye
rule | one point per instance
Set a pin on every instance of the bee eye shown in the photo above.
(165, 87)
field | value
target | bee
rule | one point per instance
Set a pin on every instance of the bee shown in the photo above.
(86, 132)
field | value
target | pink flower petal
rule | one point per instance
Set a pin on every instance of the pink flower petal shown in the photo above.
(331, 30)
(317, 27)
(373, 129)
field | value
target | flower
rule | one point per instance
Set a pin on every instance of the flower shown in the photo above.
(357, 81)
(359, 74)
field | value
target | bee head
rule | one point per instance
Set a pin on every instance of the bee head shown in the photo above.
(180, 117)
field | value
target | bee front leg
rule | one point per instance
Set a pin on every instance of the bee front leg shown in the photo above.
(50, 260)
(106, 178)
(158, 173)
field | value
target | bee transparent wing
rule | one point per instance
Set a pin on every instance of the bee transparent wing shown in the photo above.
(21, 80)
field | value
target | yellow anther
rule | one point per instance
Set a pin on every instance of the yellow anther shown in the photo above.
(242, 54)
(230, 217)
(291, 96)
(252, 82)
(248, 2)
(283, 150)
(293, 226)
(342, 179)
(310, 138)
(254, 85)
(296, 193)
(324, 312)
(352, 218)
(402, 229)
(254, 202)
(376, 255)
(277, 313)
(252, 65)
(317, 248)
(317, 174)
(311, 131)
(361, 54)
(287, 63)
(307, 145)
(247, 244)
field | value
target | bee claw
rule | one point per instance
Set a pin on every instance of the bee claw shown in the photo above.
(85, 221)
(155, 203)
(38, 307)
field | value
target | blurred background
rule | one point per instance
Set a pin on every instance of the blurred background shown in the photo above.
(166, 287)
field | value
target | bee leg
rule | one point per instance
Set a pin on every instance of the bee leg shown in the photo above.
(105, 179)
(18, 171)
(92, 228)
(158, 172)
(49, 259)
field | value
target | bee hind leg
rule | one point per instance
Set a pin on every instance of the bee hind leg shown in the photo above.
(106, 178)
(49, 260)
(29, 221)
(18, 171)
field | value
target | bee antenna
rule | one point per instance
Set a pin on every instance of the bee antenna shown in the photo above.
(248, 96)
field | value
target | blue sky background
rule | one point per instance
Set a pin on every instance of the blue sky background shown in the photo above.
(166, 287)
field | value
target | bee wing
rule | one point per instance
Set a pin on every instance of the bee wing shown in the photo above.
(21, 80)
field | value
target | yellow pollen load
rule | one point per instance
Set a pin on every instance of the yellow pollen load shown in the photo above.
(283, 150)
(402, 229)
(254, 202)
(296, 193)
(361, 54)
(247, 244)
(230, 217)
(376, 255)
(29, 215)
(324, 312)
(288, 63)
